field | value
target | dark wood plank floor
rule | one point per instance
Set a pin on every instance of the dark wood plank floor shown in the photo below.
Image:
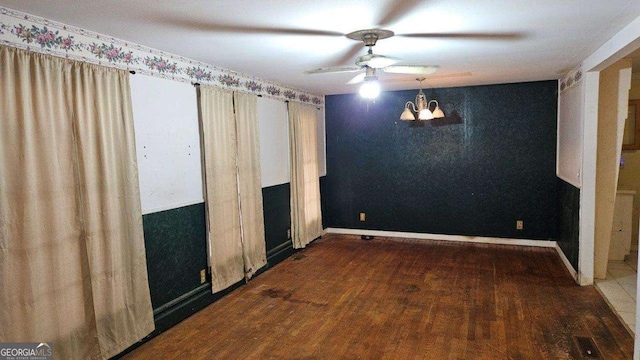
(345, 298)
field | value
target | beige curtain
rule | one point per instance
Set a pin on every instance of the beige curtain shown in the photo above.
(306, 216)
(221, 187)
(72, 261)
(250, 183)
(111, 209)
(233, 190)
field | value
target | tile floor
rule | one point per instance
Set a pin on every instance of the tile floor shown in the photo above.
(619, 288)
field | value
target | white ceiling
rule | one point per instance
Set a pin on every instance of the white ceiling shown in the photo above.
(277, 40)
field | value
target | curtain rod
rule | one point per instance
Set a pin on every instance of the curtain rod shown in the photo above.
(259, 95)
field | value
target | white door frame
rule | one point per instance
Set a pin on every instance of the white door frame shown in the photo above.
(620, 45)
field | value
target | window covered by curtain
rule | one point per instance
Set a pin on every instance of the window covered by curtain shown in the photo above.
(306, 216)
(233, 191)
(72, 258)
(249, 183)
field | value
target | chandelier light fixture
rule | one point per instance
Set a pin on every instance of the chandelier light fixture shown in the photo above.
(421, 107)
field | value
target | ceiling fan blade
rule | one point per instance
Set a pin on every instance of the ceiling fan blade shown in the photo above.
(395, 10)
(427, 78)
(349, 55)
(203, 25)
(411, 69)
(329, 70)
(376, 61)
(283, 31)
(357, 79)
(470, 36)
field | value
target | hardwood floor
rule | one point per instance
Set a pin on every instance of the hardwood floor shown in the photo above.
(345, 298)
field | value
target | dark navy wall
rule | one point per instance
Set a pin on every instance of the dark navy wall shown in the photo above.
(488, 164)
(569, 221)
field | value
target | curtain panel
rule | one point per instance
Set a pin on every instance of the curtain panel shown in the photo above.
(233, 191)
(306, 215)
(250, 183)
(72, 257)
(221, 187)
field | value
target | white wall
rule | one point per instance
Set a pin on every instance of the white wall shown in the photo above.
(569, 153)
(168, 142)
(274, 141)
(165, 118)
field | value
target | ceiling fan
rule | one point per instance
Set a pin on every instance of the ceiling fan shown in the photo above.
(390, 13)
(368, 64)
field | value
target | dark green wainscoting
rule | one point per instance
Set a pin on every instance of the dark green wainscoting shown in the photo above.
(277, 221)
(176, 248)
(323, 202)
(569, 221)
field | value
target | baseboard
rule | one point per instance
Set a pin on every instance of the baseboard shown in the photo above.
(174, 312)
(280, 253)
(181, 300)
(461, 238)
(188, 305)
(567, 264)
(170, 314)
(442, 237)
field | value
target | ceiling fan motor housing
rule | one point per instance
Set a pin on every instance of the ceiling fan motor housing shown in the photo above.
(369, 39)
(370, 36)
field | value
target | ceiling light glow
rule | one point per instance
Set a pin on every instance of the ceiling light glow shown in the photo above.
(370, 89)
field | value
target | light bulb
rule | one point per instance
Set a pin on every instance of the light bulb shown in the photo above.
(370, 90)
(425, 114)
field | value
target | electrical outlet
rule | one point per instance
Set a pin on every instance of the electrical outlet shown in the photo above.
(288, 233)
(203, 276)
(519, 225)
(362, 217)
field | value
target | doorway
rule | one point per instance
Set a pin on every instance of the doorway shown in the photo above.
(619, 285)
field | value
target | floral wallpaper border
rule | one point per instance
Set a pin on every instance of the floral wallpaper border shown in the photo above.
(572, 79)
(37, 34)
